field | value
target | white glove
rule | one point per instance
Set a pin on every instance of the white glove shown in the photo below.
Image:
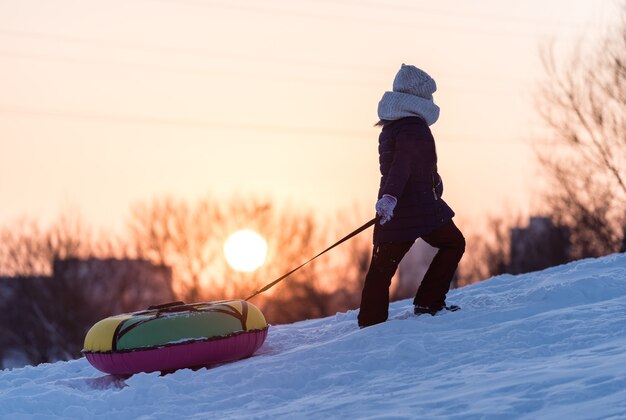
(385, 206)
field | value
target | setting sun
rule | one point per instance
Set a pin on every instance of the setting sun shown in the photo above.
(245, 250)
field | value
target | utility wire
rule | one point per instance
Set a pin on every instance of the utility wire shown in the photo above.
(197, 71)
(182, 122)
(161, 49)
(369, 135)
(394, 6)
(139, 46)
(206, 72)
(150, 48)
(347, 19)
(143, 47)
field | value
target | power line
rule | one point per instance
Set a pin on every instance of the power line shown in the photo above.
(161, 49)
(455, 14)
(139, 46)
(370, 134)
(246, 75)
(345, 19)
(181, 122)
(198, 71)
(150, 48)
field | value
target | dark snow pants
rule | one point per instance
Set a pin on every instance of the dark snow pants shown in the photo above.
(435, 285)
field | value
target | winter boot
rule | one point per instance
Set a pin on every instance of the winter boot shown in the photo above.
(421, 310)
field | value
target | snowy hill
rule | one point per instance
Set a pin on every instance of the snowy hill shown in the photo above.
(550, 344)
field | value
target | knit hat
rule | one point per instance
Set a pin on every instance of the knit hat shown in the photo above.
(412, 96)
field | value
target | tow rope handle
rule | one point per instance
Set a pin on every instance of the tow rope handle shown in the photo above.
(339, 242)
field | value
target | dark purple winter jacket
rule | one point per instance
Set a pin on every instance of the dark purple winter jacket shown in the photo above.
(408, 165)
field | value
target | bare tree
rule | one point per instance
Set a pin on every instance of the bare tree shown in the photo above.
(27, 249)
(45, 311)
(584, 104)
(189, 238)
(331, 283)
(488, 251)
(41, 317)
(172, 232)
(350, 262)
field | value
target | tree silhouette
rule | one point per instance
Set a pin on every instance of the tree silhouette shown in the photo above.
(584, 104)
(189, 237)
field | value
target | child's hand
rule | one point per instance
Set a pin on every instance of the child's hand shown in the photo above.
(384, 208)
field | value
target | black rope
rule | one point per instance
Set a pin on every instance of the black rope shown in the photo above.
(339, 242)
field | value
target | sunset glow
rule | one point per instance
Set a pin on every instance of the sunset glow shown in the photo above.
(245, 250)
(294, 85)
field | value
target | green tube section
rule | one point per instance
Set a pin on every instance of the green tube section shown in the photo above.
(150, 331)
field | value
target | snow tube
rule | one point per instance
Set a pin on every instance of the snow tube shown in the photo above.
(175, 336)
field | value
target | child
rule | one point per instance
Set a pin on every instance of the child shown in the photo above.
(409, 202)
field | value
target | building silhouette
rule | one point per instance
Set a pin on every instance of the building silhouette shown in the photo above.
(539, 245)
(45, 318)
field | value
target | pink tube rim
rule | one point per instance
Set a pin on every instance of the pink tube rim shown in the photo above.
(170, 357)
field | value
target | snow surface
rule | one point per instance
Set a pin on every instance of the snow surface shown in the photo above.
(549, 344)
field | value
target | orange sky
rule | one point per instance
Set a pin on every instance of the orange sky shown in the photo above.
(107, 103)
